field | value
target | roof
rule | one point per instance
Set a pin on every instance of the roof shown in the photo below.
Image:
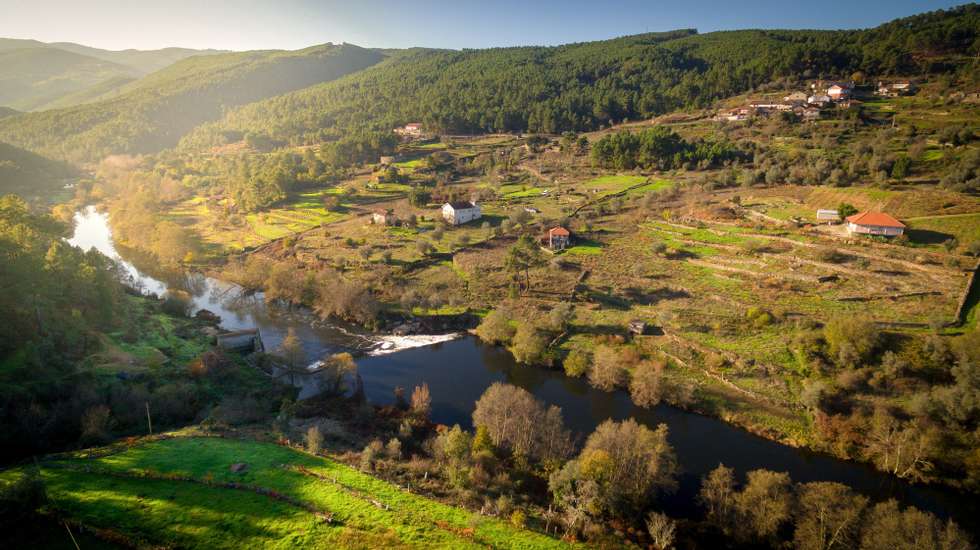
(461, 205)
(414, 125)
(878, 219)
(559, 230)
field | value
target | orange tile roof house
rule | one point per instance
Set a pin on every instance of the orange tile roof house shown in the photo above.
(874, 223)
(557, 238)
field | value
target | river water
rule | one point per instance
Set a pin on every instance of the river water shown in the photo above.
(458, 369)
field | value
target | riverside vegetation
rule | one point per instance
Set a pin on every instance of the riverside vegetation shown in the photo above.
(703, 230)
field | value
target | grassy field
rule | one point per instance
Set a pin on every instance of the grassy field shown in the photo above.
(175, 492)
(965, 228)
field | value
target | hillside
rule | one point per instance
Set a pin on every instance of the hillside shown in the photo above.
(33, 77)
(7, 111)
(29, 175)
(38, 75)
(153, 113)
(154, 491)
(585, 86)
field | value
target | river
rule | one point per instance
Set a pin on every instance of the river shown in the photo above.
(458, 369)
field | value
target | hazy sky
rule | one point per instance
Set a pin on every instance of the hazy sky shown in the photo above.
(291, 24)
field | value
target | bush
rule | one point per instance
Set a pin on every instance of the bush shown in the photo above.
(496, 328)
(850, 340)
(529, 345)
(576, 364)
(177, 303)
(314, 440)
(518, 519)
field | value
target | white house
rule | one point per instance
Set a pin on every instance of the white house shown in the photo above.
(818, 99)
(460, 212)
(874, 223)
(383, 217)
(413, 129)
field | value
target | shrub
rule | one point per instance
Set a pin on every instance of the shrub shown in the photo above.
(850, 340)
(576, 364)
(518, 519)
(496, 328)
(314, 440)
(529, 345)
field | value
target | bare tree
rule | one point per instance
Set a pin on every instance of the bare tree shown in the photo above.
(828, 516)
(662, 530)
(518, 422)
(421, 401)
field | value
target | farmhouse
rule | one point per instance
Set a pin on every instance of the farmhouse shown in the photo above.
(874, 223)
(412, 129)
(839, 91)
(895, 89)
(460, 212)
(557, 238)
(828, 216)
(383, 217)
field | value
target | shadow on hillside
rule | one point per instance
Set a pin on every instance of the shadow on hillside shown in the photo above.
(925, 236)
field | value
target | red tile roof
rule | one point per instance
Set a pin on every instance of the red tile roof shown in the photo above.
(879, 219)
(561, 231)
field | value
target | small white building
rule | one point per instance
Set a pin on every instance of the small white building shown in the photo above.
(412, 129)
(383, 217)
(828, 216)
(818, 99)
(874, 223)
(460, 212)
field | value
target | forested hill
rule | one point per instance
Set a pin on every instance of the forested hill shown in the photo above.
(583, 86)
(154, 112)
(33, 77)
(29, 175)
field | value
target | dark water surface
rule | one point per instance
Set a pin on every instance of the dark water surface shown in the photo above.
(458, 372)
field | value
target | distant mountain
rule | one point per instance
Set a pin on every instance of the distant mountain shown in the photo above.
(35, 75)
(580, 87)
(29, 175)
(32, 77)
(153, 113)
(144, 61)
(7, 111)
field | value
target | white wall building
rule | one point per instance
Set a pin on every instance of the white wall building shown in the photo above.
(460, 212)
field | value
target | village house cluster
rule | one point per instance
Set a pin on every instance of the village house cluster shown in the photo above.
(811, 105)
